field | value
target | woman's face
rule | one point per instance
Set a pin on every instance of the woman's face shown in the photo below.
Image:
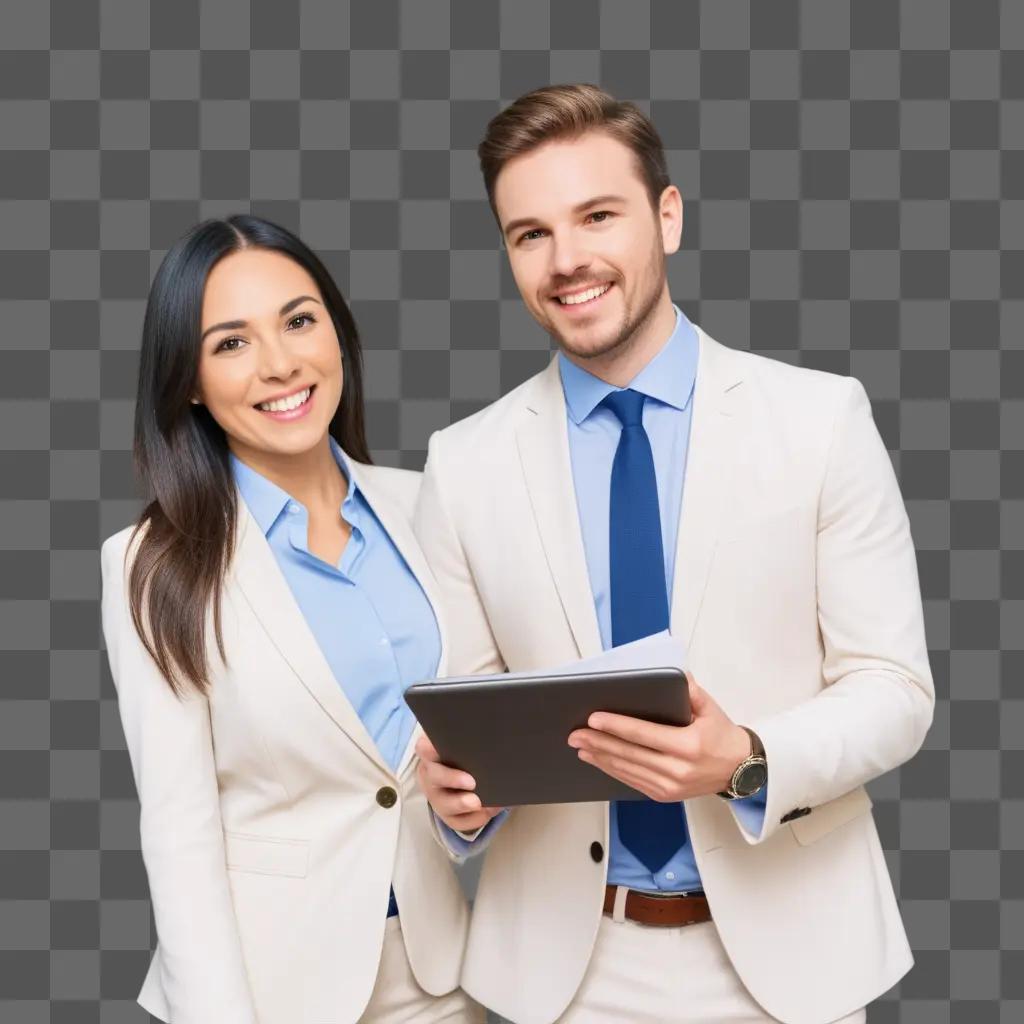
(270, 367)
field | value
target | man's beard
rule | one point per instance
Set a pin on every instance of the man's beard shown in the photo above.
(633, 320)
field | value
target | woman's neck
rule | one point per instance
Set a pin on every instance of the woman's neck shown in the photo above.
(312, 478)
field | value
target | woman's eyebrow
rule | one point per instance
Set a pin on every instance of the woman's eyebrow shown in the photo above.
(234, 325)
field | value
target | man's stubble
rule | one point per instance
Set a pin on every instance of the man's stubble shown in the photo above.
(633, 322)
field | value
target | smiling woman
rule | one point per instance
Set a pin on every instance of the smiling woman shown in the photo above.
(283, 365)
(263, 620)
(204, 372)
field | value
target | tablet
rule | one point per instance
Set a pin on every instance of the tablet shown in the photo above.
(512, 736)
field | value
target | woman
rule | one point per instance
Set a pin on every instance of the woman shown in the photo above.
(260, 643)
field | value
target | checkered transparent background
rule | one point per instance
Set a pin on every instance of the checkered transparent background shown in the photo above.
(854, 180)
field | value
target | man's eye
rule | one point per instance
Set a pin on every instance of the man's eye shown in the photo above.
(527, 236)
(302, 316)
(601, 214)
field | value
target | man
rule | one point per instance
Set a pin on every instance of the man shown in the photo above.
(651, 478)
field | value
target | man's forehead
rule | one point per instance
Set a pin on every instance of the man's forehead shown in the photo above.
(565, 172)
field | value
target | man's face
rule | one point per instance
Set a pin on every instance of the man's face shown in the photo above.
(585, 246)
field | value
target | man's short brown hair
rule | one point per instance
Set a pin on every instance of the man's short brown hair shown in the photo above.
(566, 112)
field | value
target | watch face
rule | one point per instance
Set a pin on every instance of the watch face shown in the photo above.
(753, 777)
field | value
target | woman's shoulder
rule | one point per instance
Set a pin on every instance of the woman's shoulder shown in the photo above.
(400, 485)
(114, 552)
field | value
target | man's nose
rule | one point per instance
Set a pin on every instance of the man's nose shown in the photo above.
(567, 256)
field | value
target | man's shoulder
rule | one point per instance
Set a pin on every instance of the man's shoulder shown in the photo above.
(497, 420)
(802, 388)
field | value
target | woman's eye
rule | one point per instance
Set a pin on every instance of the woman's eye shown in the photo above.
(300, 318)
(229, 345)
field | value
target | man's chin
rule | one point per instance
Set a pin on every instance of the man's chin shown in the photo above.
(584, 344)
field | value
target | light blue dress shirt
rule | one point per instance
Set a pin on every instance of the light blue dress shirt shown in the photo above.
(668, 382)
(368, 613)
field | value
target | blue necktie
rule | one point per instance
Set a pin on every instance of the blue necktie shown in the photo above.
(651, 830)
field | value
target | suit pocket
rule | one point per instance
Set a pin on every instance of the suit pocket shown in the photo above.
(266, 856)
(828, 817)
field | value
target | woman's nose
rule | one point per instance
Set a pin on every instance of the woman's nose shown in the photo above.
(277, 360)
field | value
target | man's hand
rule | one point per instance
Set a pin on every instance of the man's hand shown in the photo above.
(666, 762)
(450, 791)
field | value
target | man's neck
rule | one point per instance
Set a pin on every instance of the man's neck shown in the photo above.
(621, 365)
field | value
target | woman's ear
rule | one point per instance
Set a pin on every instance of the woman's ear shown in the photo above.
(195, 401)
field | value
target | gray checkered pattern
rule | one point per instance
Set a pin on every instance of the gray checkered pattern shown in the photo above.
(854, 177)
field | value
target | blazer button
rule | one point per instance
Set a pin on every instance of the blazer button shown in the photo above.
(386, 796)
(596, 852)
(797, 812)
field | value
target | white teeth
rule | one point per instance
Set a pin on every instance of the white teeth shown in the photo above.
(590, 293)
(286, 404)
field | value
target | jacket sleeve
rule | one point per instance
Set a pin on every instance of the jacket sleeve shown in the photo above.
(878, 699)
(171, 750)
(471, 646)
(472, 649)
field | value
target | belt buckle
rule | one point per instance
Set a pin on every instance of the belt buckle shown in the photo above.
(668, 895)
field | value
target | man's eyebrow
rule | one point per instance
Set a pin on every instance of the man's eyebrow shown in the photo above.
(522, 222)
(234, 325)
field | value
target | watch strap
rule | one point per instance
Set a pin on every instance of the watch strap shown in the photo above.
(756, 754)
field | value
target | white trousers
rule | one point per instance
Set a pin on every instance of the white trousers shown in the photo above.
(654, 975)
(397, 997)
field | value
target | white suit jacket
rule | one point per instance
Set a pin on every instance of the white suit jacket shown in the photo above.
(796, 593)
(268, 854)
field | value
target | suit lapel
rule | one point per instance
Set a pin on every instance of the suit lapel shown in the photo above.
(398, 526)
(267, 592)
(707, 486)
(543, 442)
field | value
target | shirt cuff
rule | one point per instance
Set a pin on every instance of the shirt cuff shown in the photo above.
(749, 810)
(464, 843)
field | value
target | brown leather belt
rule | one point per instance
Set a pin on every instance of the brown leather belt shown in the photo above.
(673, 910)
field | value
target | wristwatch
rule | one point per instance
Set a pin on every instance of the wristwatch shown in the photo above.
(751, 773)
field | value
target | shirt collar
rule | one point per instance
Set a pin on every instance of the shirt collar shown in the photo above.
(266, 501)
(668, 377)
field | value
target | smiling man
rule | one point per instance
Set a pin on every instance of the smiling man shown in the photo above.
(650, 479)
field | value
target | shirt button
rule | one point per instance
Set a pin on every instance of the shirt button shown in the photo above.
(384, 641)
(670, 875)
(293, 509)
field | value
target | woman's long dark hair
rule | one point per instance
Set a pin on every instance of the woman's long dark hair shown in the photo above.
(187, 531)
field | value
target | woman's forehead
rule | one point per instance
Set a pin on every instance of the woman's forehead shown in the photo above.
(252, 283)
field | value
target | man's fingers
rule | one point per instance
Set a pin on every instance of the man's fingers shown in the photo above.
(701, 702)
(467, 822)
(605, 744)
(457, 801)
(636, 730)
(647, 782)
(440, 776)
(448, 800)
(426, 750)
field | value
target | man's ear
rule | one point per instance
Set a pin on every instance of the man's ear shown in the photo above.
(670, 218)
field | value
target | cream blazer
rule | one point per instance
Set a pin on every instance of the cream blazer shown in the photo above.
(796, 594)
(268, 853)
